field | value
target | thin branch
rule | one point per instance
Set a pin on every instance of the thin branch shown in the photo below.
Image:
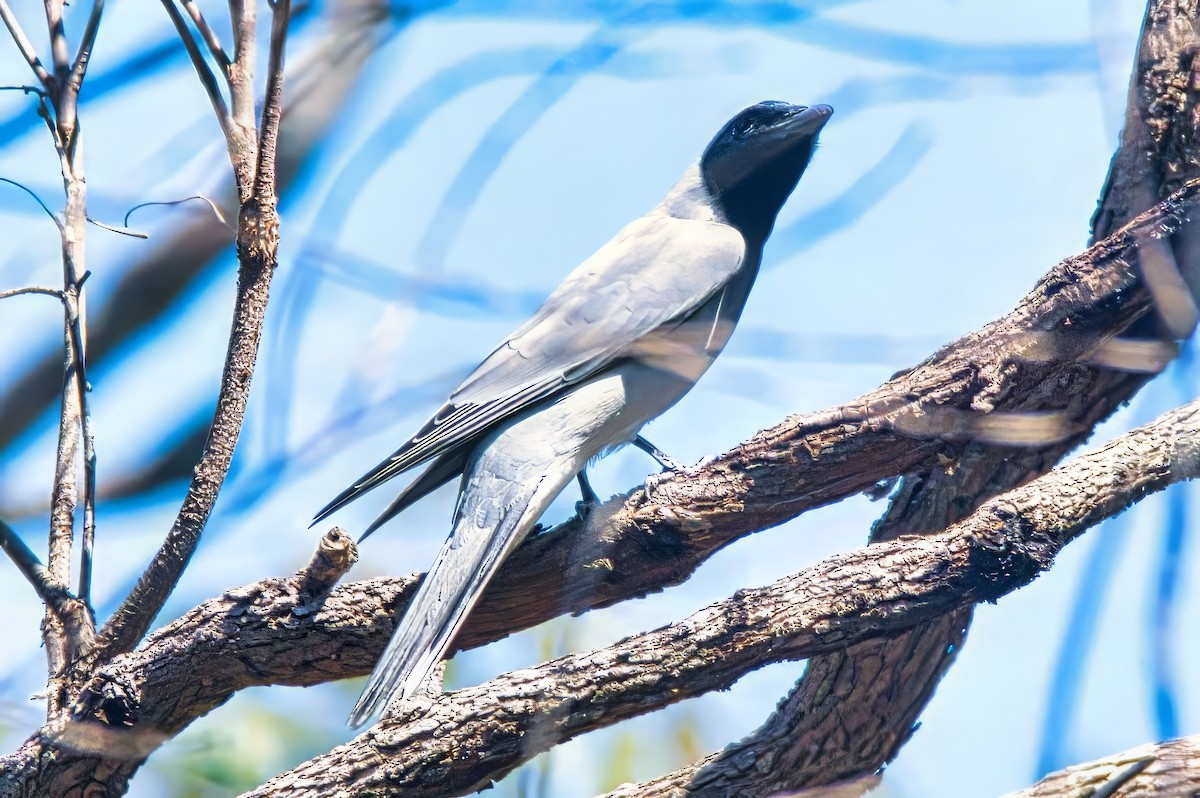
(241, 88)
(67, 643)
(57, 222)
(212, 206)
(26, 48)
(58, 43)
(54, 292)
(461, 741)
(86, 44)
(207, 79)
(87, 538)
(124, 231)
(145, 291)
(26, 89)
(208, 35)
(272, 112)
(64, 493)
(32, 569)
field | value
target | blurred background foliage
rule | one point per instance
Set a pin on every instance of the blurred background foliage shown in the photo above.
(443, 166)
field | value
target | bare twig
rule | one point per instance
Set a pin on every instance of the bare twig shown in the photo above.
(87, 539)
(37, 199)
(207, 34)
(68, 641)
(26, 89)
(32, 569)
(86, 43)
(84, 55)
(241, 86)
(212, 206)
(268, 135)
(58, 42)
(207, 79)
(54, 292)
(124, 231)
(26, 48)
(66, 635)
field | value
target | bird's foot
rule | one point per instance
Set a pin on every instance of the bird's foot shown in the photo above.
(662, 458)
(590, 497)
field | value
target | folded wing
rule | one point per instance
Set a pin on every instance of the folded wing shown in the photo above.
(654, 273)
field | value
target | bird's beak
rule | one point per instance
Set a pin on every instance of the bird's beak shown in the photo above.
(806, 122)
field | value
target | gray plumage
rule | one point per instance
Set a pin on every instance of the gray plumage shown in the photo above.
(618, 342)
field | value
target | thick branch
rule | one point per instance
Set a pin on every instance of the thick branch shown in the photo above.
(462, 741)
(852, 710)
(1166, 770)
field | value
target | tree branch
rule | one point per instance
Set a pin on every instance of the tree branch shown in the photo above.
(67, 636)
(207, 34)
(207, 79)
(258, 243)
(852, 710)
(32, 569)
(462, 741)
(32, 289)
(279, 632)
(26, 48)
(1165, 770)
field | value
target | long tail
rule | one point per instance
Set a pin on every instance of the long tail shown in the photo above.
(501, 499)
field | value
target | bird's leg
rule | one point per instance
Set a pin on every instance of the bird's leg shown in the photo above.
(590, 498)
(667, 462)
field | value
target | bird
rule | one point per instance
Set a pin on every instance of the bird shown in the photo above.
(620, 341)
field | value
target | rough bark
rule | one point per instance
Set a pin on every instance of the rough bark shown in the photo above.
(1166, 770)
(459, 742)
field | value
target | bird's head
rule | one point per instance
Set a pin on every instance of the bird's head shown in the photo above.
(755, 161)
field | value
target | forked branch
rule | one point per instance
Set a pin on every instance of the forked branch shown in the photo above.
(258, 241)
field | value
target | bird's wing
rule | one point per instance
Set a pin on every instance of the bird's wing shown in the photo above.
(656, 271)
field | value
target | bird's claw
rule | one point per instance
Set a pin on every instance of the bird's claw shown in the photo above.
(654, 480)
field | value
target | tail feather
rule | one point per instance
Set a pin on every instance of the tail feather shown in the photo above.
(493, 517)
(442, 470)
